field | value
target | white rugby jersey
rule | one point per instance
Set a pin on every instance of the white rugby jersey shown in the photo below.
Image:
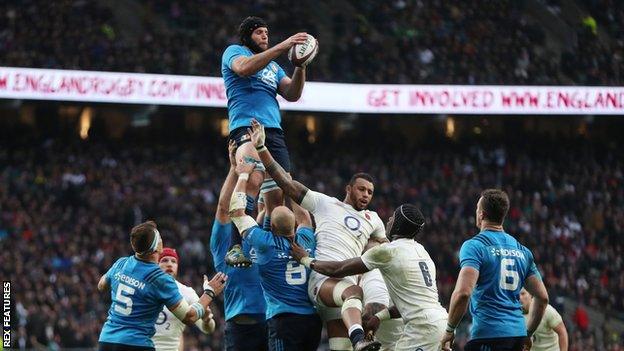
(341, 231)
(410, 276)
(169, 328)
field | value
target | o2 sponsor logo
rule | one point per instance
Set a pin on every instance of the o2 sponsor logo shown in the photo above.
(354, 224)
(162, 318)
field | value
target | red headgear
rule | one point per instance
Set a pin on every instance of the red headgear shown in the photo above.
(167, 251)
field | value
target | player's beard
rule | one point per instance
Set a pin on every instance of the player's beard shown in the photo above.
(255, 47)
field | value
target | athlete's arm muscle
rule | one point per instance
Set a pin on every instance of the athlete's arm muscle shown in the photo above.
(534, 285)
(562, 334)
(302, 216)
(103, 284)
(228, 187)
(291, 188)
(339, 269)
(249, 65)
(291, 89)
(466, 282)
(246, 66)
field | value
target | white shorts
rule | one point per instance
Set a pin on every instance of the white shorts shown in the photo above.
(389, 333)
(423, 335)
(314, 285)
(374, 287)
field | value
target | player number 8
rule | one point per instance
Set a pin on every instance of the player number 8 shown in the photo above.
(295, 273)
(509, 278)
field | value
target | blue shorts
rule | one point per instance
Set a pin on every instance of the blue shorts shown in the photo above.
(275, 142)
(107, 346)
(496, 344)
(243, 337)
(294, 332)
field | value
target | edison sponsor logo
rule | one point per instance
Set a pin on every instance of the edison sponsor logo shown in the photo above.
(499, 251)
(6, 314)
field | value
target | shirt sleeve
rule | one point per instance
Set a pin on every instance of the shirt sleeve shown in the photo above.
(470, 255)
(313, 201)
(220, 239)
(259, 239)
(308, 235)
(553, 318)
(377, 257)
(114, 268)
(280, 74)
(190, 295)
(167, 290)
(232, 52)
(380, 230)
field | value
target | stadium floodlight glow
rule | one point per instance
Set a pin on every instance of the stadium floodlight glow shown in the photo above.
(450, 127)
(85, 122)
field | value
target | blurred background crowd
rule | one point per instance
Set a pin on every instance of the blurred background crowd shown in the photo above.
(398, 41)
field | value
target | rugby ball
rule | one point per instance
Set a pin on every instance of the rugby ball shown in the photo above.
(302, 54)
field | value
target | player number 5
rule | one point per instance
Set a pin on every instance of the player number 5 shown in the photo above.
(120, 298)
(509, 278)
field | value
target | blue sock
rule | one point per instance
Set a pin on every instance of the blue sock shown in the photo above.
(251, 205)
(356, 335)
(267, 223)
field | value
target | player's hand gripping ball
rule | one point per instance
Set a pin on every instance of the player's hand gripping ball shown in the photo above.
(302, 54)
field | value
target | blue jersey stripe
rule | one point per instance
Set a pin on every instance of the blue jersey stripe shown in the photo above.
(150, 275)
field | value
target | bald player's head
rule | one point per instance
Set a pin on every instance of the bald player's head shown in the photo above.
(282, 221)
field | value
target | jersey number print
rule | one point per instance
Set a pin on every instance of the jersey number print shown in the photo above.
(124, 299)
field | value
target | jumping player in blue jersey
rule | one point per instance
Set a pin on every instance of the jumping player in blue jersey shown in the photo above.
(245, 327)
(140, 289)
(252, 81)
(494, 268)
(291, 317)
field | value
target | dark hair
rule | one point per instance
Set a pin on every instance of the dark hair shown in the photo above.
(408, 221)
(142, 236)
(247, 26)
(362, 175)
(495, 205)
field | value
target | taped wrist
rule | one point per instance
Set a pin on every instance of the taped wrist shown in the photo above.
(243, 223)
(199, 309)
(383, 315)
(238, 201)
(306, 261)
(181, 311)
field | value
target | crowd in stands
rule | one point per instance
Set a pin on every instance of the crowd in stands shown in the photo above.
(66, 210)
(399, 41)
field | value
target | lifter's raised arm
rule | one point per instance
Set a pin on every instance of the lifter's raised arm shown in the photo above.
(291, 188)
(228, 187)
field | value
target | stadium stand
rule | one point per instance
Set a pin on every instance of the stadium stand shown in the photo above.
(451, 42)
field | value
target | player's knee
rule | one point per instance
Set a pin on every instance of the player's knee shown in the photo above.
(352, 302)
(354, 291)
(340, 344)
